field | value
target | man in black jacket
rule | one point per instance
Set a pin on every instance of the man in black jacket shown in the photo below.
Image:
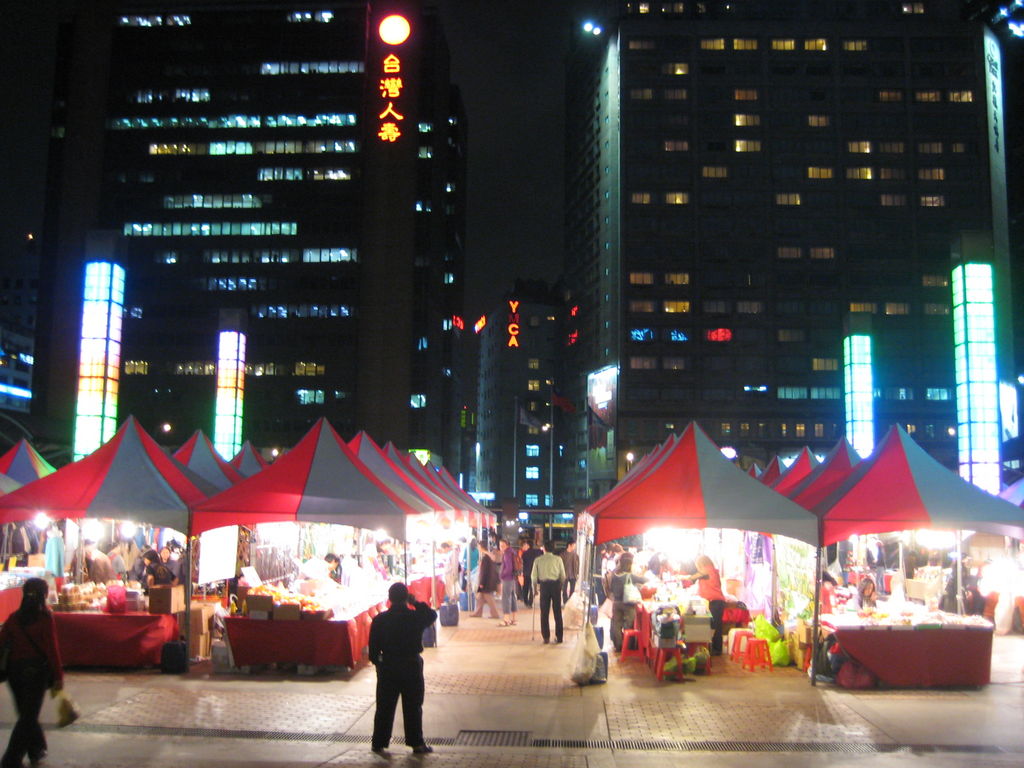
(396, 642)
(529, 553)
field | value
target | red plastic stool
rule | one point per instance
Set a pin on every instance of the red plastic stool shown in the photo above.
(757, 654)
(628, 652)
(740, 637)
(662, 656)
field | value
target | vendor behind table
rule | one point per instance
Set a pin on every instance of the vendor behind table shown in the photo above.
(709, 586)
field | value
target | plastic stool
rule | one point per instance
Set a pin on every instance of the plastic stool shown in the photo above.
(662, 655)
(628, 652)
(757, 654)
(739, 643)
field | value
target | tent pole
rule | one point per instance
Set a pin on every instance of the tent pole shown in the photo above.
(817, 603)
(188, 594)
(959, 572)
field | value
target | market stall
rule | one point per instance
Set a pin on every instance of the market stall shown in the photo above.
(321, 480)
(900, 488)
(690, 485)
(128, 478)
(23, 463)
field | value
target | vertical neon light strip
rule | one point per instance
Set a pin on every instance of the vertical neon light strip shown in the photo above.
(227, 428)
(859, 393)
(977, 386)
(99, 361)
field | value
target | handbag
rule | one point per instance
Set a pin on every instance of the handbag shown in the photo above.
(67, 710)
(630, 592)
(5, 653)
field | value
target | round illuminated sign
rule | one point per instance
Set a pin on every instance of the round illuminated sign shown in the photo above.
(394, 29)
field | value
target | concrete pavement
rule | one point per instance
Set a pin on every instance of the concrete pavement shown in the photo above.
(499, 697)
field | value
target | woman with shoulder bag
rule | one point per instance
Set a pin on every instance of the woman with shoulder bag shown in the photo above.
(33, 665)
(623, 604)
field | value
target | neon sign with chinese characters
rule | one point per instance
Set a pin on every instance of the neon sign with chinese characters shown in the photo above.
(394, 30)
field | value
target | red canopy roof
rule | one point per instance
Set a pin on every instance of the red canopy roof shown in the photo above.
(320, 480)
(900, 487)
(801, 467)
(8, 484)
(414, 494)
(129, 478)
(199, 455)
(637, 473)
(694, 486)
(248, 460)
(24, 464)
(772, 472)
(754, 471)
(825, 477)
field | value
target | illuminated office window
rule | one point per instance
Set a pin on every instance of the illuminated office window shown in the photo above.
(675, 94)
(745, 94)
(869, 307)
(532, 450)
(675, 68)
(890, 95)
(643, 362)
(744, 44)
(640, 198)
(931, 174)
(533, 385)
(677, 278)
(676, 145)
(747, 145)
(890, 147)
(783, 44)
(673, 306)
(824, 252)
(818, 121)
(892, 174)
(824, 364)
(816, 44)
(934, 281)
(714, 172)
(897, 308)
(641, 305)
(789, 252)
(961, 97)
(677, 198)
(858, 147)
(819, 172)
(933, 201)
(855, 45)
(788, 198)
(893, 200)
(930, 148)
(641, 94)
(712, 44)
(746, 121)
(928, 97)
(641, 278)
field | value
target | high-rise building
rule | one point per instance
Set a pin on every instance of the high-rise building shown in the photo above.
(753, 187)
(521, 428)
(283, 188)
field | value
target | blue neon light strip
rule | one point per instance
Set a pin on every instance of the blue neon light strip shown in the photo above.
(7, 389)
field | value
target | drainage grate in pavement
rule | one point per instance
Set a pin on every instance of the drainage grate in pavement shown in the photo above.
(493, 738)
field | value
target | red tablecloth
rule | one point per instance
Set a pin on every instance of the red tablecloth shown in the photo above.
(113, 640)
(922, 658)
(312, 642)
(420, 589)
(10, 601)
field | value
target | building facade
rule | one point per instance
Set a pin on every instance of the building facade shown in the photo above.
(522, 427)
(289, 174)
(749, 181)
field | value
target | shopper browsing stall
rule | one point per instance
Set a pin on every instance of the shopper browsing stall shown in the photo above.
(709, 586)
(623, 603)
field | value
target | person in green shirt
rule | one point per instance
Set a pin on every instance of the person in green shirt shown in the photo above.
(548, 574)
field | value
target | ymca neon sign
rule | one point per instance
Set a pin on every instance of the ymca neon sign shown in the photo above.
(513, 325)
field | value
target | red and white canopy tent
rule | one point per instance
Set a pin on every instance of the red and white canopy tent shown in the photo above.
(826, 477)
(248, 460)
(128, 478)
(24, 463)
(320, 480)
(635, 475)
(199, 455)
(417, 497)
(900, 487)
(772, 472)
(692, 485)
(802, 466)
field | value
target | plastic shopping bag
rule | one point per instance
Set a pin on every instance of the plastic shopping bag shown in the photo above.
(117, 599)
(572, 614)
(585, 657)
(67, 710)
(764, 630)
(779, 651)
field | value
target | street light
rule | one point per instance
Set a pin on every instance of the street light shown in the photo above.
(592, 28)
(629, 460)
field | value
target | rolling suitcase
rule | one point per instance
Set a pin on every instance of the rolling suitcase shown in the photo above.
(449, 613)
(430, 636)
(173, 660)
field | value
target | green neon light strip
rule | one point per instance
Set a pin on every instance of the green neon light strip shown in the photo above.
(99, 357)
(859, 393)
(977, 384)
(227, 430)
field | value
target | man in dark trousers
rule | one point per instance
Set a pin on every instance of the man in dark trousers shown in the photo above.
(529, 553)
(396, 642)
(548, 575)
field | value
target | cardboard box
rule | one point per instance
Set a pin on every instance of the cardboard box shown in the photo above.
(37, 561)
(286, 612)
(199, 617)
(201, 646)
(259, 603)
(260, 615)
(167, 599)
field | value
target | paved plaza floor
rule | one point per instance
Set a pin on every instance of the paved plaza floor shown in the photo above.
(498, 697)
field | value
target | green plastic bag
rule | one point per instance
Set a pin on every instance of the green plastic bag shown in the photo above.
(689, 665)
(700, 660)
(779, 651)
(764, 630)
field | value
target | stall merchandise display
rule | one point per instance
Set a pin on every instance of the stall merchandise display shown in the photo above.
(91, 596)
(285, 604)
(905, 618)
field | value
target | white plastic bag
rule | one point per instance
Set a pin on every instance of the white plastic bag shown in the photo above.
(585, 656)
(572, 613)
